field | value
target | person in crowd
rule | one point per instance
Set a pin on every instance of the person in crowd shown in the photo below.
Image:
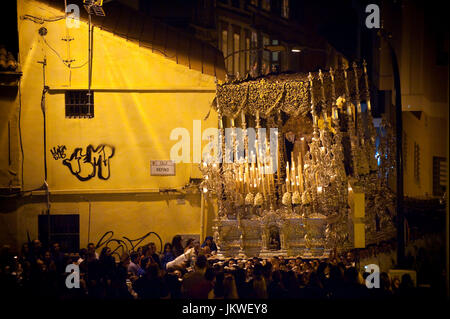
(37, 251)
(151, 285)
(91, 248)
(150, 255)
(230, 289)
(167, 255)
(177, 246)
(35, 272)
(90, 270)
(133, 267)
(82, 256)
(182, 260)
(258, 283)
(107, 264)
(195, 285)
(58, 257)
(218, 291)
(189, 244)
(173, 281)
(209, 242)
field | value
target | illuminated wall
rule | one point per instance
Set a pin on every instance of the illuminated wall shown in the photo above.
(424, 86)
(141, 98)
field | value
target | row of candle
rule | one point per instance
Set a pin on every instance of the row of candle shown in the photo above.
(256, 176)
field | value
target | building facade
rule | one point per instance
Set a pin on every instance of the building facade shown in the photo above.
(421, 47)
(240, 29)
(82, 161)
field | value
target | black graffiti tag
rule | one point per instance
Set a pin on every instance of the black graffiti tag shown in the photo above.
(94, 162)
(58, 152)
(125, 245)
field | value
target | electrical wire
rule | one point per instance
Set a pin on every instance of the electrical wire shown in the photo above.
(41, 20)
(62, 60)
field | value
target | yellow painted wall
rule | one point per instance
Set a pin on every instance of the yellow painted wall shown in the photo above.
(424, 86)
(136, 124)
(431, 134)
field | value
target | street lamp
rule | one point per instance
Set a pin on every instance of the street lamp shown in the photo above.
(270, 48)
(279, 48)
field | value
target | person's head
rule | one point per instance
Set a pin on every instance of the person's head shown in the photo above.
(209, 240)
(37, 244)
(56, 248)
(125, 259)
(83, 253)
(91, 247)
(231, 262)
(47, 256)
(407, 281)
(201, 263)
(257, 270)
(134, 257)
(106, 251)
(350, 257)
(167, 248)
(189, 243)
(196, 245)
(145, 251)
(152, 248)
(396, 283)
(176, 241)
(206, 250)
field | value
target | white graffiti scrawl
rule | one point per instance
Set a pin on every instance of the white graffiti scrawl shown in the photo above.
(95, 161)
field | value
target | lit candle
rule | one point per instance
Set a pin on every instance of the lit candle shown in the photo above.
(288, 181)
(263, 179)
(300, 171)
(232, 122)
(271, 174)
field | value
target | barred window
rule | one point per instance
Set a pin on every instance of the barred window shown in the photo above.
(416, 162)
(79, 104)
(439, 175)
(63, 229)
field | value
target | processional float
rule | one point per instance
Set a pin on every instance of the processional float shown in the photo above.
(298, 167)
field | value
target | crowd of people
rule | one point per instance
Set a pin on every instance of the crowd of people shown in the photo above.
(185, 271)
